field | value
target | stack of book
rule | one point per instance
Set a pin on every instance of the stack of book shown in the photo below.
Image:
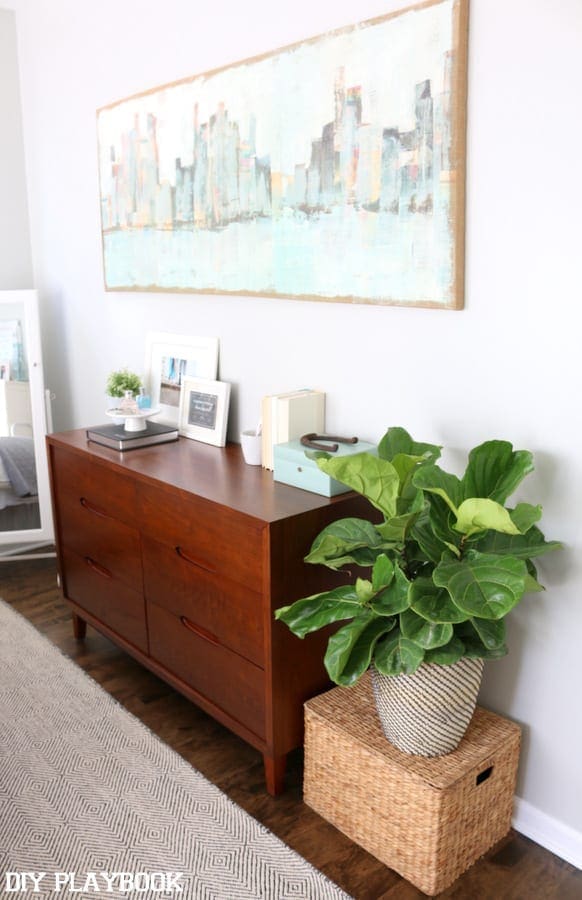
(286, 417)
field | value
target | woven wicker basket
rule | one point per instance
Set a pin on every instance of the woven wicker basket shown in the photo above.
(427, 819)
(427, 713)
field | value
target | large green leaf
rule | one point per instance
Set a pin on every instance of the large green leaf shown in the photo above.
(347, 541)
(411, 501)
(525, 515)
(361, 556)
(395, 530)
(522, 546)
(481, 514)
(482, 584)
(382, 573)
(395, 598)
(396, 655)
(427, 635)
(436, 481)
(434, 603)
(474, 646)
(375, 478)
(495, 470)
(397, 440)
(312, 613)
(405, 465)
(491, 632)
(447, 655)
(441, 521)
(349, 650)
(431, 545)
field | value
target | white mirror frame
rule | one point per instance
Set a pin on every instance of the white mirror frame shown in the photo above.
(31, 328)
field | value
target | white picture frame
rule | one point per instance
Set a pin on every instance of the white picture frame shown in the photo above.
(169, 359)
(204, 410)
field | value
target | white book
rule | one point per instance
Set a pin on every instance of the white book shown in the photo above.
(299, 414)
(287, 413)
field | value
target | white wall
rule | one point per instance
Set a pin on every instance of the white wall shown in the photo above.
(15, 251)
(506, 366)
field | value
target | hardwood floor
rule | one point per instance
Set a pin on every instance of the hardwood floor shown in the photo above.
(516, 869)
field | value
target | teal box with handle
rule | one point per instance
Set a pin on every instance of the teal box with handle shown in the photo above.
(292, 466)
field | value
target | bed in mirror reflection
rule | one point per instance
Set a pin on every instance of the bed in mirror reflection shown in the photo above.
(25, 514)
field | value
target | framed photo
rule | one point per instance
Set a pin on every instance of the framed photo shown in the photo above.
(204, 410)
(169, 359)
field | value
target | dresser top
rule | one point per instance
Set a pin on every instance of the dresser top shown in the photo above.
(218, 474)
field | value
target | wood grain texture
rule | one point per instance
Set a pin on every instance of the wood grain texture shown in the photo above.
(221, 546)
(220, 606)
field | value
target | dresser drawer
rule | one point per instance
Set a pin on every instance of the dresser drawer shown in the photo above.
(217, 539)
(89, 531)
(229, 612)
(76, 478)
(96, 589)
(232, 683)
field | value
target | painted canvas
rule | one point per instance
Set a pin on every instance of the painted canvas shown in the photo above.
(332, 169)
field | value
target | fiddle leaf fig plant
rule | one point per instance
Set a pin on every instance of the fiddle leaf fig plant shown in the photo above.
(447, 558)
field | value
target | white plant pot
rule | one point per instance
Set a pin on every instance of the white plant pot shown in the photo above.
(427, 713)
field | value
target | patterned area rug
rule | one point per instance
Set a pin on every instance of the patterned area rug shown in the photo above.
(91, 802)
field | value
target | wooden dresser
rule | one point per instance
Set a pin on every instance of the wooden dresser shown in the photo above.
(180, 553)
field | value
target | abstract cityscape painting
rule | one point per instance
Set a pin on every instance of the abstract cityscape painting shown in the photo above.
(333, 169)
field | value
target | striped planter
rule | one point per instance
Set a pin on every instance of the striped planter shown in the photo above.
(428, 712)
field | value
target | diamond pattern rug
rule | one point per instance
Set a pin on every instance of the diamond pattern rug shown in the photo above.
(86, 788)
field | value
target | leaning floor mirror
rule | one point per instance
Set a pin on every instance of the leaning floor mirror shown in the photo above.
(25, 506)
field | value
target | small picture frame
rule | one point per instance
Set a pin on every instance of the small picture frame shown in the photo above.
(204, 410)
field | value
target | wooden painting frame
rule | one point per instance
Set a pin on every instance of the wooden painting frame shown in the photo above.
(358, 198)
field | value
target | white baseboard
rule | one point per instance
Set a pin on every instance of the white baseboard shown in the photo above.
(556, 837)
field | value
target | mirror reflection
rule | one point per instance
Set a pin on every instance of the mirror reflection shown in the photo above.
(19, 504)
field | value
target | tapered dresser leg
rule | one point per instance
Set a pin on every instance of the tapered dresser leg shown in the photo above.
(275, 773)
(79, 627)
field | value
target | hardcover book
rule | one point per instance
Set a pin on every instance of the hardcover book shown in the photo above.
(288, 416)
(116, 437)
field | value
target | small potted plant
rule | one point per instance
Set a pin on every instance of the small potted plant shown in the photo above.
(122, 389)
(121, 381)
(448, 561)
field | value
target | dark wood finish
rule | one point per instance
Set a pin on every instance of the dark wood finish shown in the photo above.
(226, 679)
(96, 590)
(513, 870)
(114, 544)
(219, 606)
(211, 537)
(75, 483)
(181, 553)
(79, 627)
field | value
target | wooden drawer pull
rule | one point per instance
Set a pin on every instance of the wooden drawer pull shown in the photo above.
(100, 570)
(93, 509)
(200, 632)
(193, 562)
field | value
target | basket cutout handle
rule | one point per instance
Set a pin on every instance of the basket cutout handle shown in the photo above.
(484, 775)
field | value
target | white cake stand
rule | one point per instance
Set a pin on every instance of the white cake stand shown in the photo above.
(133, 421)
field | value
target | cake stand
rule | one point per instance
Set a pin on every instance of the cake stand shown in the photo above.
(133, 421)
